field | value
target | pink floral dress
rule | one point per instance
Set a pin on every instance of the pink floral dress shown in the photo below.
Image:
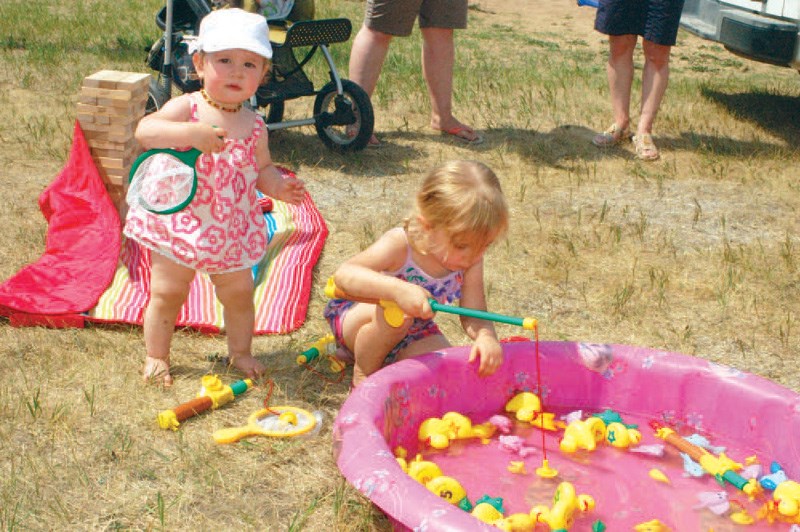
(223, 228)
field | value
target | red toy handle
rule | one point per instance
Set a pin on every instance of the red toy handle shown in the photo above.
(192, 408)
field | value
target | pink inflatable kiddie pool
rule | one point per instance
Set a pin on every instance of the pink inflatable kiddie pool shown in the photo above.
(753, 421)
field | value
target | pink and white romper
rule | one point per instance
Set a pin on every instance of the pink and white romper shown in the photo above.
(222, 229)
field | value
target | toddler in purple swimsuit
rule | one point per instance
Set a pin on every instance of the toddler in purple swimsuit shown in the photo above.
(459, 211)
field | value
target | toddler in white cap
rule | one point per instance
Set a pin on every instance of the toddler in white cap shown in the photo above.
(222, 231)
(234, 28)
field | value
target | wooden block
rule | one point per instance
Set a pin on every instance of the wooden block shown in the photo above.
(134, 80)
(106, 144)
(116, 163)
(111, 129)
(106, 79)
(110, 178)
(115, 93)
(102, 110)
(90, 100)
(131, 105)
(115, 79)
(129, 154)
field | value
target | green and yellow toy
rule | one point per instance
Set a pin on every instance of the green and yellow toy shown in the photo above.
(325, 346)
(212, 395)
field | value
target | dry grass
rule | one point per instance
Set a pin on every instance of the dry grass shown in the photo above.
(697, 253)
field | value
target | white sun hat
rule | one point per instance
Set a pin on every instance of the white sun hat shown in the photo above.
(228, 29)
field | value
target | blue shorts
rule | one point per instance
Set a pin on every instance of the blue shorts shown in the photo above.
(655, 20)
(335, 311)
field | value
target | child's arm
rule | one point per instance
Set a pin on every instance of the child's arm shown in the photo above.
(485, 346)
(169, 127)
(362, 276)
(270, 181)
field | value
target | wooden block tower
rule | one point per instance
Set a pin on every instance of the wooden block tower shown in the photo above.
(109, 107)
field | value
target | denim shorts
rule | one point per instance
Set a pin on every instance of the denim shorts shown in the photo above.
(655, 20)
(396, 17)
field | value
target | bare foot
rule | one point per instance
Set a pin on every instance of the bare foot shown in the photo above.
(248, 365)
(373, 141)
(459, 131)
(156, 370)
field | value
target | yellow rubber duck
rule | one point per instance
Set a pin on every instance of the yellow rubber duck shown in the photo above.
(566, 502)
(516, 523)
(621, 436)
(439, 432)
(654, 525)
(741, 517)
(547, 421)
(583, 434)
(524, 405)
(787, 495)
(447, 488)
(423, 471)
(486, 513)
(517, 467)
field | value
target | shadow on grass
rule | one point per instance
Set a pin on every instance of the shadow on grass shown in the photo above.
(568, 143)
(301, 146)
(557, 148)
(777, 113)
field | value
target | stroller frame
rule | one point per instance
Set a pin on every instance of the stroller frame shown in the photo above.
(343, 114)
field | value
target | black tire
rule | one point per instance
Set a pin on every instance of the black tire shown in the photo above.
(157, 96)
(331, 122)
(273, 112)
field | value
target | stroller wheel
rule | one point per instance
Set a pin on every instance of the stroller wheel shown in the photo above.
(344, 122)
(157, 95)
(273, 112)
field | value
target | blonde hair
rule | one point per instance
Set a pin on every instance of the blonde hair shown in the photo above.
(464, 198)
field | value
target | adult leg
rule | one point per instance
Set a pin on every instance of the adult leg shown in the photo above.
(620, 76)
(619, 70)
(654, 84)
(169, 286)
(235, 292)
(438, 58)
(370, 338)
(366, 60)
(655, 78)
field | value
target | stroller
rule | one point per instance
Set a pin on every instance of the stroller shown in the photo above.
(342, 116)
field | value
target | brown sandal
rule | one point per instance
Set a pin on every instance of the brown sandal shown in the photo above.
(646, 149)
(611, 137)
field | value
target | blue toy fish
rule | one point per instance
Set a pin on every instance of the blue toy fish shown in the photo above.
(692, 468)
(777, 476)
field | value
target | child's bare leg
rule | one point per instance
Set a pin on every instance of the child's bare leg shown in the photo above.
(169, 286)
(370, 338)
(235, 292)
(423, 345)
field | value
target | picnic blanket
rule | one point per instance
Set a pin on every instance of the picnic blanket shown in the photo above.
(89, 273)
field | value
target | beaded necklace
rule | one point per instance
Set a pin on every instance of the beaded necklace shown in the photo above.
(227, 108)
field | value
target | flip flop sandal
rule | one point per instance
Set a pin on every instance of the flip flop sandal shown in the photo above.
(645, 147)
(611, 137)
(458, 132)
